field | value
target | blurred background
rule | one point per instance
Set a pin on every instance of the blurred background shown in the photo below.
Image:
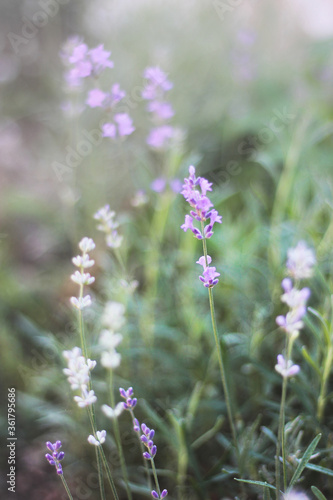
(253, 101)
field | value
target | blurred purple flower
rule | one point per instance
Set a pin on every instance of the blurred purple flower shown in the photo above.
(159, 137)
(158, 185)
(95, 98)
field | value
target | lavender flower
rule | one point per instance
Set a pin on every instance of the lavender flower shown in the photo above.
(78, 375)
(286, 368)
(147, 440)
(84, 62)
(56, 456)
(80, 277)
(109, 340)
(300, 262)
(99, 439)
(109, 225)
(130, 402)
(113, 316)
(210, 275)
(161, 111)
(113, 412)
(201, 205)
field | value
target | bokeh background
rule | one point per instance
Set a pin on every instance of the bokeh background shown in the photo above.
(253, 97)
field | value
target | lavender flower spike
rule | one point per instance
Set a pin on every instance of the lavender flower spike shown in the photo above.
(130, 402)
(56, 456)
(195, 193)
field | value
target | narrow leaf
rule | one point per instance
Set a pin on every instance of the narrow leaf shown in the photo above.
(303, 462)
(319, 468)
(318, 494)
(257, 483)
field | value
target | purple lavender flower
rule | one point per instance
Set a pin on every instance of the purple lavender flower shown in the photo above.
(158, 185)
(56, 456)
(154, 494)
(176, 185)
(162, 110)
(122, 127)
(210, 275)
(147, 440)
(160, 137)
(130, 402)
(286, 368)
(201, 205)
(95, 98)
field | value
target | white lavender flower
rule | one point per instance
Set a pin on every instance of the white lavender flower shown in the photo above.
(113, 317)
(300, 262)
(78, 375)
(80, 277)
(109, 225)
(113, 412)
(99, 439)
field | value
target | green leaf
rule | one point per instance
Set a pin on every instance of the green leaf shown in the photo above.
(310, 361)
(318, 493)
(303, 462)
(257, 483)
(268, 433)
(323, 322)
(319, 468)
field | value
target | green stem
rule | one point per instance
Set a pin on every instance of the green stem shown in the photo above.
(281, 433)
(221, 364)
(91, 414)
(155, 477)
(66, 487)
(100, 474)
(324, 382)
(118, 440)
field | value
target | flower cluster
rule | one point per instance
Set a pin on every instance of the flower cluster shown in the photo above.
(202, 210)
(81, 277)
(147, 440)
(78, 375)
(130, 401)
(300, 262)
(154, 92)
(84, 62)
(201, 205)
(99, 439)
(113, 318)
(109, 225)
(56, 456)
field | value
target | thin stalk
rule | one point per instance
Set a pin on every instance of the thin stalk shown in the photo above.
(91, 414)
(221, 364)
(66, 487)
(155, 477)
(324, 382)
(118, 441)
(281, 440)
(100, 475)
(281, 433)
(142, 452)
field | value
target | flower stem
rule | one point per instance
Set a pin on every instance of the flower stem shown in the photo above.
(221, 364)
(155, 477)
(118, 440)
(281, 433)
(91, 414)
(66, 487)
